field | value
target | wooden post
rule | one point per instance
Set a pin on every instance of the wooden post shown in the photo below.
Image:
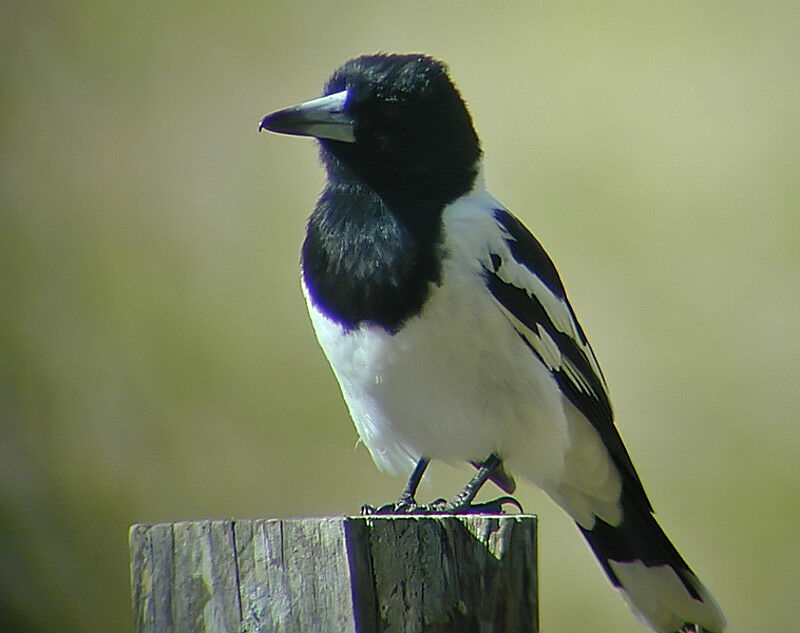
(432, 574)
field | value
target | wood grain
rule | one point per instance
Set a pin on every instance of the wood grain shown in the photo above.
(431, 574)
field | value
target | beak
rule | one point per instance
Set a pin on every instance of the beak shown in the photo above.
(322, 118)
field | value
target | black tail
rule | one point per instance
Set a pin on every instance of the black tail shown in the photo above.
(657, 583)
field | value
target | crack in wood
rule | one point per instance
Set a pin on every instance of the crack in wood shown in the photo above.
(437, 574)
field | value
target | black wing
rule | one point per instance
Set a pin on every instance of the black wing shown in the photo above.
(524, 281)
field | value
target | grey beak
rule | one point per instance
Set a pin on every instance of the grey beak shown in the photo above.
(321, 118)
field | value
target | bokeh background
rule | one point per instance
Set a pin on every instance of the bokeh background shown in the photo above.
(156, 361)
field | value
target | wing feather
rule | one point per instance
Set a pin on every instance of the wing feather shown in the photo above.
(528, 289)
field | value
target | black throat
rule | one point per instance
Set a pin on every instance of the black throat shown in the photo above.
(374, 246)
(371, 259)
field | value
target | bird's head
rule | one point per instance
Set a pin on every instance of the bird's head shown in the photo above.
(395, 122)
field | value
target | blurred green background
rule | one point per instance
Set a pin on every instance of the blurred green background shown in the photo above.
(156, 361)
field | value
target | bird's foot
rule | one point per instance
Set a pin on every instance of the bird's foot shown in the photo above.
(392, 508)
(404, 505)
(495, 506)
(441, 506)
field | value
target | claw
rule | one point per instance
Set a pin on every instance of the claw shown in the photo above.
(399, 507)
(495, 506)
(405, 507)
(440, 506)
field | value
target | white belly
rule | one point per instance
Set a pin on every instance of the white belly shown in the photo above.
(455, 383)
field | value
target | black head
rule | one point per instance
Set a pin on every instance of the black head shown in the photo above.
(395, 122)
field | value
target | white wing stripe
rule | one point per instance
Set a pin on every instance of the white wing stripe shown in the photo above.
(557, 310)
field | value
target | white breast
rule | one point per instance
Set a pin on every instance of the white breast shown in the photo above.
(456, 382)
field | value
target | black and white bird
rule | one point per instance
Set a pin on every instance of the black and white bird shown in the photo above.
(449, 330)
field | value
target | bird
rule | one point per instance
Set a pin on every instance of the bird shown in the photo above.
(450, 333)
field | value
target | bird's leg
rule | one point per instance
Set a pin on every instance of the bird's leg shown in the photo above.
(465, 497)
(462, 502)
(410, 491)
(407, 503)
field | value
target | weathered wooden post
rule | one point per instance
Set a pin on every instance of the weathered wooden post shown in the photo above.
(377, 574)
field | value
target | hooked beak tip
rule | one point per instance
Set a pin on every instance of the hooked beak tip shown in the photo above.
(262, 124)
